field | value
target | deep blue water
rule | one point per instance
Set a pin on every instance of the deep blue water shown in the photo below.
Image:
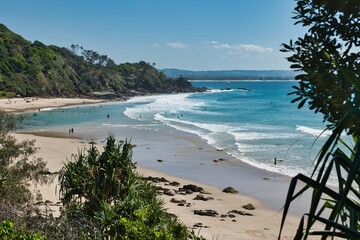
(254, 121)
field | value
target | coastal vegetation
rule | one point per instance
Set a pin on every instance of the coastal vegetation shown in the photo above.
(102, 195)
(18, 166)
(328, 61)
(105, 188)
(35, 69)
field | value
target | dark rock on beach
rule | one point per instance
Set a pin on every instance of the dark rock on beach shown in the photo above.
(174, 183)
(156, 179)
(198, 225)
(169, 192)
(178, 200)
(243, 213)
(203, 198)
(209, 213)
(249, 206)
(193, 188)
(230, 190)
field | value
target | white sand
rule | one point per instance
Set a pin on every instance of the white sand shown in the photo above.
(29, 104)
(263, 225)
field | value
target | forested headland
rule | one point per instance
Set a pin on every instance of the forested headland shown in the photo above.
(35, 69)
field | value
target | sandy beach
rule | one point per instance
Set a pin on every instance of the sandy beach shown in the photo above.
(264, 190)
(35, 104)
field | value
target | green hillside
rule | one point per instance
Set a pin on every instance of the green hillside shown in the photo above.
(34, 69)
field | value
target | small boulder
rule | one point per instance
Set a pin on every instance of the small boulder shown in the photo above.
(193, 188)
(174, 183)
(230, 190)
(249, 206)
(203, 198)
(188, 191)
(169, 192)
(243, 213)
(178, 200)
(196, 225)
(210, 213)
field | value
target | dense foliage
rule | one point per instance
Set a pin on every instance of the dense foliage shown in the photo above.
(328, 59)
(18, 169)
(9, 232)
(104, 188)
(34, 69)
(18, 166)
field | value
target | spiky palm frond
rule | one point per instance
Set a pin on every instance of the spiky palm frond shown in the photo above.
(342, 218)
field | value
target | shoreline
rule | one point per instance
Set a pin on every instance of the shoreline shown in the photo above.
(175, 165)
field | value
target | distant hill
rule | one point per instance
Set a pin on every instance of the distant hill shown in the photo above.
(232, 74)
(35, 69)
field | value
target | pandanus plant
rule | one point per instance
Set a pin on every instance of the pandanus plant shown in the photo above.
(338, 211)
(94, 178)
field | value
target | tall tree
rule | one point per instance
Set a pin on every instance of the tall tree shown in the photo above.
(327, 57)
(18, 166)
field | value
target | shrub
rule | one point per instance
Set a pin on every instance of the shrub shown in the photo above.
(105, 189)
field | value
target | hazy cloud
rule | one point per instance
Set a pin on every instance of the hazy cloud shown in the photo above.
(212, 42)
(240, 48)
(176, 44)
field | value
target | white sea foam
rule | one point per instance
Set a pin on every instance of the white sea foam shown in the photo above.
(153, 98)
(162, 104)
(174, 123)
(219, 90)
(209, 132)
(313, 131)
(212, 128)
(251, 135)
(216, 128)
(48, 109)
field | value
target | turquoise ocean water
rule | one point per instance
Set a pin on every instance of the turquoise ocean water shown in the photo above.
(253, 121)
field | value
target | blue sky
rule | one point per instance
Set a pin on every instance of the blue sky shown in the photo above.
(184, 34)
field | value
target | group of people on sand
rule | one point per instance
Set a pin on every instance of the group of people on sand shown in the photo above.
(71, 131)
